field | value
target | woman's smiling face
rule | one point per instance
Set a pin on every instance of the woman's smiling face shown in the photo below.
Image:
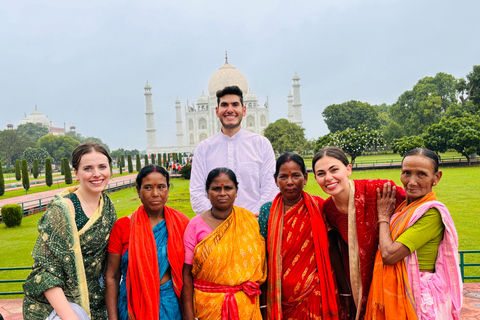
(418, 176)
(332, 175)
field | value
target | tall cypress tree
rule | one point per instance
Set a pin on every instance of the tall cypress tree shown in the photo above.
(25, 177)
(35, 168)
(48, 172)
(2, 181)
(68, 172)
(62, 167)
(164, 159)
(145, 157)
(130, 164)
(137, 162)
(153, 158)
(18, 175)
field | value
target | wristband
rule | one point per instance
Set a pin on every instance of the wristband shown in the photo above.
(383, 221)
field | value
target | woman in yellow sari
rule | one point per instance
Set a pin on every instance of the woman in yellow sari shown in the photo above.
(224, 256)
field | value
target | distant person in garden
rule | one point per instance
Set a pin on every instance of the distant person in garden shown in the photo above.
(69, 256)
(145, 255)
(224, 256)
(300, 277)
(248, 154)
(416, 273)
(351, 211)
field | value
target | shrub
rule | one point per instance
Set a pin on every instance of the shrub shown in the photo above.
(2, 181)
(12, 215)
(62, 169)
(48, 172)
(35, 168)
(130, 164)
(18, 175)
(138, 164)
(25, 177)
(68, 172)
(152, 156)
(145, 157)
(186, 171)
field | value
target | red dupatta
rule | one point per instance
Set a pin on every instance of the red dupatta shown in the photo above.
(143, 283)
(319, 234)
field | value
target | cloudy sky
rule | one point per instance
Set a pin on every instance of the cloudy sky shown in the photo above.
(86, 62)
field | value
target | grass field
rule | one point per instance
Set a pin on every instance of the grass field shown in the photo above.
(458, 190)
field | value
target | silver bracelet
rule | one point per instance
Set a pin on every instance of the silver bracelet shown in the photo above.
(264, 306)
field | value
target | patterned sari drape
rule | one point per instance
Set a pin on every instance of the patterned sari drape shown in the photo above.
(300, 281)
(234, 253)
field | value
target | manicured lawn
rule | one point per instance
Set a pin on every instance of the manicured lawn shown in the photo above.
(458, 190)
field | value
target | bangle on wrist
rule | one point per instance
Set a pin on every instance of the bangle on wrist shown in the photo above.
(264, 306)
(345, 294)
(383, 221)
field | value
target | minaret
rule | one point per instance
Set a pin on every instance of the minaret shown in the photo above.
(150, 115)
(178, 110)
(297, 105)
(290, 108)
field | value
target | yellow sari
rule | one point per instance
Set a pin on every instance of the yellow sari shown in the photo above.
(232, 255)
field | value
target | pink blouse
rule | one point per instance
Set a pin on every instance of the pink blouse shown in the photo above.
(197, 229)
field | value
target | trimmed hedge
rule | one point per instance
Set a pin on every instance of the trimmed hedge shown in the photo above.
(186, 171)
(130, 164)
(2, 181)
(12, 215)
(137, 162)
(68, 172)
(18, 175)
(25, 177)
(48, 172)
(145, 157)
(35, 168)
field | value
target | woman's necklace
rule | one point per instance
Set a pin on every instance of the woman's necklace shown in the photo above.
(211, 211)
(93, 210)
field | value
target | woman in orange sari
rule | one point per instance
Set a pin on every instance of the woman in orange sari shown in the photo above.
(416, 274)
(224, 256)
(300, 280)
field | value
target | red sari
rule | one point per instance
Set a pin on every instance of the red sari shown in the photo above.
(365, 198)
(300, 281)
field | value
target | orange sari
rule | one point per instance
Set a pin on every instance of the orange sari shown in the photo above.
(225, 266)
(390, 295)
(300, 281)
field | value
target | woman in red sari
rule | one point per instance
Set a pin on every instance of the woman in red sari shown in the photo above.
(300, 281)
(351, 211)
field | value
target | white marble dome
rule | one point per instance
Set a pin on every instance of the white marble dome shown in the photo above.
(249, 96)
(36, 117)
(227, 75)
(203, 99)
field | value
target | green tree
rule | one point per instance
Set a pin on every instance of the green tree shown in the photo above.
(405, 144)
(120, 166)
(180, 158)
(285, 136)
(351, 114)
(164, 159)
(12, 145)
(31, 154)
(35, 168)
(324, 141)
(58, 146)
(138, 163)
(153, 158)
(32, 130)
(461, 134)
(469, 89)
(18, 175)
(122, 160)
(130, 164)
(419, 108)
(356, 141)
(68, 171)
(62, 166)
(392, 131)
(2, 181)
(145, 157)
(48, 172)
(25, 177)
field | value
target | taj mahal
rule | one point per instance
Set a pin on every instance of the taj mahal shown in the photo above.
(201, 120)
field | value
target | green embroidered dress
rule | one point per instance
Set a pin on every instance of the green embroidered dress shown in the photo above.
(71, 259)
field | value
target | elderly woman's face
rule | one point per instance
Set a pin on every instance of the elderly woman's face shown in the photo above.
(418, 176)
(222, 192)
(290, 181)
(153, 192)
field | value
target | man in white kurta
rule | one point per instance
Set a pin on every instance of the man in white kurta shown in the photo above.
(247, 154)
